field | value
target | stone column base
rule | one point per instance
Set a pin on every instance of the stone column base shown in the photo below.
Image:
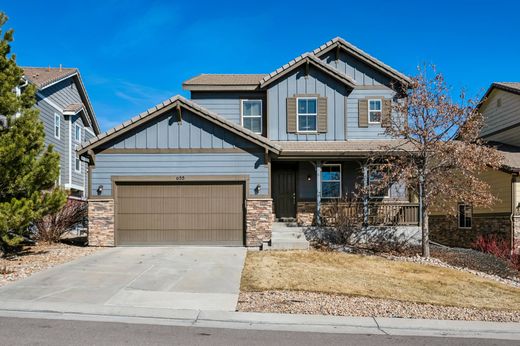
(101, 222)
(259, 221)
(306, 213)
(516, 234)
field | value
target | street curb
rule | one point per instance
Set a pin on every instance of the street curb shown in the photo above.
(265, 321)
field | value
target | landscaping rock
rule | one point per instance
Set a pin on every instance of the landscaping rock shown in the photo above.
(37, 258)
(294, 302)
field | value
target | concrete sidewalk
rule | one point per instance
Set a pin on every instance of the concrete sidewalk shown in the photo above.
(263, 321)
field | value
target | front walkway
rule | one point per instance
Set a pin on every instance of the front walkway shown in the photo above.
(200, 278)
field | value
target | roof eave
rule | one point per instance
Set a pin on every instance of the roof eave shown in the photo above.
(220, 87)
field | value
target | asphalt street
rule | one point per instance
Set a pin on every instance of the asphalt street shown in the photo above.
(29, 331)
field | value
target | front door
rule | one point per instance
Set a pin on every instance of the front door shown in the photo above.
(284, 191)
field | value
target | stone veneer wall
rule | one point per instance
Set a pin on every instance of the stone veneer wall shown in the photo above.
(259, 221)
(101, 222)
(305, 213)
(516, 233)
(444, 229)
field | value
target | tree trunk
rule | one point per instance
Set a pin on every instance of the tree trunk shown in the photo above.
(425, 234)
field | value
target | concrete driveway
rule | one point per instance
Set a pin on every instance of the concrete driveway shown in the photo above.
(199, 278)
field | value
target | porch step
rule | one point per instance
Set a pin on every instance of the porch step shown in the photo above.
(286, 237)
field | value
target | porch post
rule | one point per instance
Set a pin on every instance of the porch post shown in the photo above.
(365, 194)
(318, 193)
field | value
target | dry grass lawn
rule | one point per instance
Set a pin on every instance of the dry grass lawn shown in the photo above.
(372, 276)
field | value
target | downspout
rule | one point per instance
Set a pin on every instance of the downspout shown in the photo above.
(513, 208)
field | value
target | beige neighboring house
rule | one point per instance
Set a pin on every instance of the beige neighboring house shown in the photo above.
(501, 109)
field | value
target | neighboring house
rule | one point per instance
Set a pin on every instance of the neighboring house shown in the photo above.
(246, 149)
(68, 119)
(500, 107)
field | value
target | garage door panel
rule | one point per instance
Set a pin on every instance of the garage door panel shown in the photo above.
(180, 213)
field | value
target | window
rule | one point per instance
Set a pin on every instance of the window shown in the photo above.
(57, 125)
(375, 110)
(376, 188)
(306, 114)
(77, 166)
(252, 115)
(77, 133)
(465, 215)
(331, 181)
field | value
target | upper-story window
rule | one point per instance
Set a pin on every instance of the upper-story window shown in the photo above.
(77, 133)
(252, 115)
(375, 110)
(307, 114)
(57, 125)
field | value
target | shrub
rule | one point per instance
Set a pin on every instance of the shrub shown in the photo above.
(51, 227)
(499, 248)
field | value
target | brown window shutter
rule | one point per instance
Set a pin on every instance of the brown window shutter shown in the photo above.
(386, 116)
(291, 114)
(322, 114)
(363, 113)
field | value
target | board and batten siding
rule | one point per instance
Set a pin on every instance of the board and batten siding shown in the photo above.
(192, 132)
(78, 178)
(298, 83)
(225, 104)
(372, 131)
(500, 117)
(357, 70)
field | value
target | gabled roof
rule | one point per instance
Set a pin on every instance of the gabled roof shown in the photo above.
(306, 58)
(223, 82)
(512, 87)
(44, 77)
(340, 43)
(172, 103)
(215, 82)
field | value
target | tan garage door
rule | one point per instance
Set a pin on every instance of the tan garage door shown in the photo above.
(180, 213)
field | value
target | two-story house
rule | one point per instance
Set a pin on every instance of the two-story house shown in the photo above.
(246, 149)
(68, 119)
(500, 107)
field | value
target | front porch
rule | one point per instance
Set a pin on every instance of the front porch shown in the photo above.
(316, 192)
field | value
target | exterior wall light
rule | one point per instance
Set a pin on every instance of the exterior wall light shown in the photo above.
(257, 189)
(309, 177)
(99, 189)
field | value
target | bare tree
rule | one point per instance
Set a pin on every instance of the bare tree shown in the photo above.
(53, 226)
(440, 155)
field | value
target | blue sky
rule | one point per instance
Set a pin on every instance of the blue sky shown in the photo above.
(135, 54)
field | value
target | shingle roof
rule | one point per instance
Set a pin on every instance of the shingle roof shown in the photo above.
(338, 148)
(225, 79)
(43, 76)
(252, 81)
(214, 117)
(511, 155)
(73, 107)
(508, 86)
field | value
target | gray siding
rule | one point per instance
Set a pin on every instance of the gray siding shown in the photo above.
(297, 83)
(194, 132)
(78, 178)
(351, 176)
(373, 131)
(357, 70)
(60, 145)
(166, 132)
(226, 104)
(108, 165)
(498, 118)
(62, 93)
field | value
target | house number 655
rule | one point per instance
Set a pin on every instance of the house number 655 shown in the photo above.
(179, 178)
